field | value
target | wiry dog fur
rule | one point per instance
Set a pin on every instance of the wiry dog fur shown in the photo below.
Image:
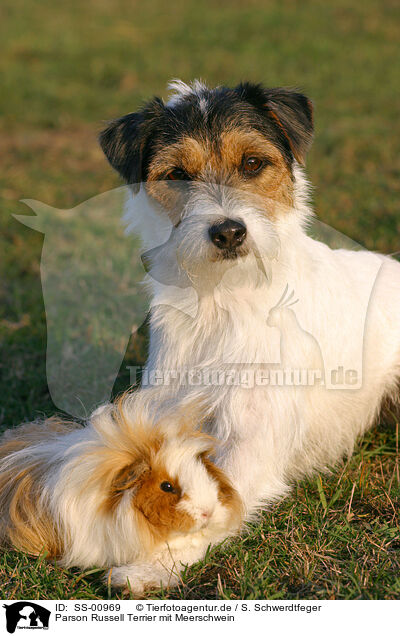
(238, 153)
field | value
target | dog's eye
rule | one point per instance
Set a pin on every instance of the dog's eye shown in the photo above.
(252, 164)
(166, 486)
(177, 175)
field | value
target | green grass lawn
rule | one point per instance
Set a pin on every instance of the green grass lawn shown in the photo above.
(68, 67)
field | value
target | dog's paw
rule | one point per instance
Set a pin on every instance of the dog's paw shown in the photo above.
(138, 578)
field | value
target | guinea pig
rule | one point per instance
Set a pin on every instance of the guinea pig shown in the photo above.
(128, 491)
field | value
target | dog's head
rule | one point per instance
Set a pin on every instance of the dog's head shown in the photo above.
(221, 162)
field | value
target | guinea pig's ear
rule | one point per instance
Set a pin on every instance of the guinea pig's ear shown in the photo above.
(129, 477)
(290, 111)
(126, 140)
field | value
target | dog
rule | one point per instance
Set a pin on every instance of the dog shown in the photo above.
(240, 287)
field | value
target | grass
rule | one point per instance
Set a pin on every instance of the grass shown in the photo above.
(69, 67)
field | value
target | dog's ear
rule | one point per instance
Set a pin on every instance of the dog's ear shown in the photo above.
(125, 141)
(291, 112)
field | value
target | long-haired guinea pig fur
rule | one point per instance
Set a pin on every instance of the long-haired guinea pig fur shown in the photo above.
(124, 491)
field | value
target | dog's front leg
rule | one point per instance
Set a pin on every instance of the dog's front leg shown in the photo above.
(263, 435)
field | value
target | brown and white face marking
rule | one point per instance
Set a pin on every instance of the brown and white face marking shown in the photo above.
(215, 155)
(164, 475)
(175, 490)
(240, 159)
(155, 496)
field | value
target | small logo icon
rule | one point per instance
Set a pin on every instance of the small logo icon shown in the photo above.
(26, 615)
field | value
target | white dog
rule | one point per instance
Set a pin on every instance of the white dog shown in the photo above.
(223, 166)
(240, 289)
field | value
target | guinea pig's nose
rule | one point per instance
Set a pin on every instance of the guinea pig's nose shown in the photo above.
(228, 234)
(206, 514)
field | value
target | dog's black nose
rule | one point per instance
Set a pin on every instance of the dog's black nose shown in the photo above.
(227, 234)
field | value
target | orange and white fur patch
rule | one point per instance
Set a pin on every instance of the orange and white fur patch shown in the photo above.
(123, 492)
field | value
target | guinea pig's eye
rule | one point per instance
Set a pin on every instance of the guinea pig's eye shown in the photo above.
(167, 487)
(177, 174)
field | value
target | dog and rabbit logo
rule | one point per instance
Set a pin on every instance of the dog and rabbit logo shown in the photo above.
(93, 270)
(26, 615)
